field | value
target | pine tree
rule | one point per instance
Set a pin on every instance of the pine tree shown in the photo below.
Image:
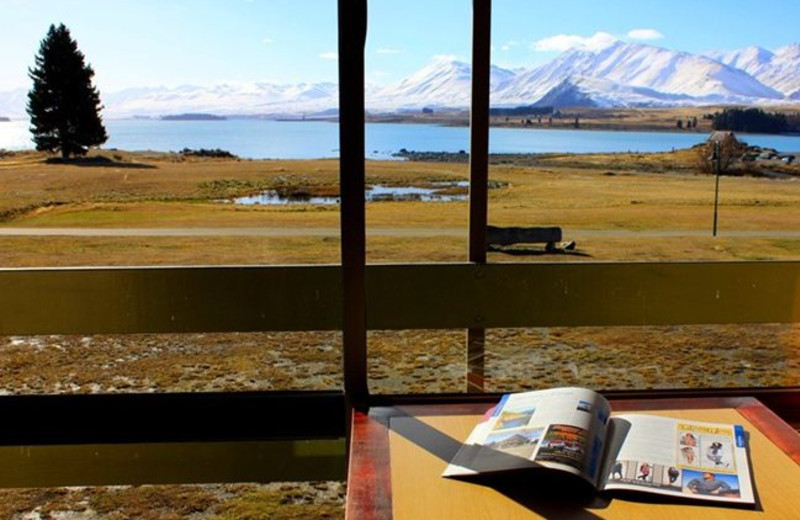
(63, 104)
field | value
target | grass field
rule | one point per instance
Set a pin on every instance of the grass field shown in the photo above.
(629, 207)
(617, 207)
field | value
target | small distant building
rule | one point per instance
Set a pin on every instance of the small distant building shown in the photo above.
(722, 136)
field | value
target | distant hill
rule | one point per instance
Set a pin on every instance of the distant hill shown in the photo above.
(4, 119)
(193, 117)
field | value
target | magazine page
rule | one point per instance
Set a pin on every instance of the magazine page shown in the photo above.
(560, 428)
(678, 457)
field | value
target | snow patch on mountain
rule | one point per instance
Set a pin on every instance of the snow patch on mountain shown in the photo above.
(779, 70)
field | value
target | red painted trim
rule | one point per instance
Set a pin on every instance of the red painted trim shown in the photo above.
(369, 479)
(780, 433)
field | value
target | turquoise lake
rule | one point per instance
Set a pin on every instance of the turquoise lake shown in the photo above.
(265, 139)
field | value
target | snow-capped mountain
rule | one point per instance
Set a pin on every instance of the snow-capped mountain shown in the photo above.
(618, 75)
(224, 99)
(779, 70)
(443, 83)
(690, 79)
(621, 74)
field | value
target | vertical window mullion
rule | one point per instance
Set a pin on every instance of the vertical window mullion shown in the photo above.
(479, 172)
(352, 38)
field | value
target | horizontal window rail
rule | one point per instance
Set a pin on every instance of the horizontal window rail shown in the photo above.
(132, 439)
(165, 300)
(172, 463)
(409, 296)
(171, 417)
(597, 294)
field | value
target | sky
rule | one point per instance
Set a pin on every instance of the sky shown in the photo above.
(150, 43)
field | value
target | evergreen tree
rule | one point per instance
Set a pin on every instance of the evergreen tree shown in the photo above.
(749, 120)
(63, 104)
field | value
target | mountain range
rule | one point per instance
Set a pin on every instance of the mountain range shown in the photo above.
(619, 75)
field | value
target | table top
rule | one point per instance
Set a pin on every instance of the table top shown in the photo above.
(398, 454)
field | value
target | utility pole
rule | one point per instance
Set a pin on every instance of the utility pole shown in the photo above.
(715, 157)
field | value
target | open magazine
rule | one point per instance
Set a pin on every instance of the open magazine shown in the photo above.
(571, 429)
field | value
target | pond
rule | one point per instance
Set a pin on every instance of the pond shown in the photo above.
(440, 192)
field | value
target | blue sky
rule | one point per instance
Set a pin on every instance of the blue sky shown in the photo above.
(134, 43)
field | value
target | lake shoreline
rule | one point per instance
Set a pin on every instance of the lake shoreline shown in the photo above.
(266, 139)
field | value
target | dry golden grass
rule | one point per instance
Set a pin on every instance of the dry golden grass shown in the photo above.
(283, 501)
(647, 193)
(170, 363)
(697, 356)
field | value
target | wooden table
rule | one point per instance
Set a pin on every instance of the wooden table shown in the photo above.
(398, 454)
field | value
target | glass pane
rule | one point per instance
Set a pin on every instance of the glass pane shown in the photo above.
(417, 100)
(603, 129)
(221, 150)
(218, 118)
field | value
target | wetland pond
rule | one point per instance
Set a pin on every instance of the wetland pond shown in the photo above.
(437, 192)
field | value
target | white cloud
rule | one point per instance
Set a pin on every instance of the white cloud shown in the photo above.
(562, 42)
(388, 51)
(507, 46)
(329, 56)
(266, 40)
(445, 57)
(645, 34)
